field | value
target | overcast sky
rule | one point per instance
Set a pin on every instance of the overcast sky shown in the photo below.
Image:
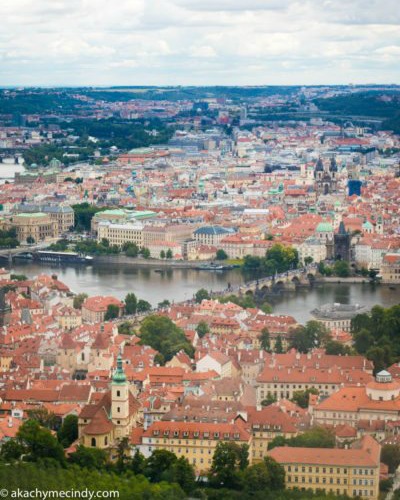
(199, 42)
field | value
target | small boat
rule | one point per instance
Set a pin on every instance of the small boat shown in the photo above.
(210, 267)
(158, 270)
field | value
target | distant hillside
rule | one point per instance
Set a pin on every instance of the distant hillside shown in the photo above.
(368, 104)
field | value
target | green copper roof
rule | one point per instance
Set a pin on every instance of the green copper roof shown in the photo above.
(367, 225)
(25, 215)
(119, 376)
(324, 227)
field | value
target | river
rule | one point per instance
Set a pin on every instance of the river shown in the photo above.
(181, 284)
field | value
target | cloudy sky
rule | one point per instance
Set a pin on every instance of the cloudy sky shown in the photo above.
(199, 42)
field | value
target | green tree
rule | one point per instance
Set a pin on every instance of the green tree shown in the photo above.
(138, 462)
(123, 450)
(265, 339)
(158, 463)
(390, 455)
(201, 295)
(143, 306)
(130, 303)
(301, 398)
(126, 328)
(278, 348)
(164, 303)
(363, 339)
(145, 253)
(228, 461)
(30, 240)
(68, 433)
(182, 472)
(11, 450)
(202, 329)
(337, 348)
(317, 437)
(162, 254)
(266, 308)
(79, 299)
(18, 277)
(44, 417)
(308, 260)
(373, 274)
(221, 254)
(313, 334)
(132, 250)
(90, 458)
(169, 255)
(163, 335)
(269, 400)
(112, 312)
(39, 442)
(264, 476)
(341, 269)
(83, 216)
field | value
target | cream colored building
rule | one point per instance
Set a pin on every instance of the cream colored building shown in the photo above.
(311, 247)
(390, 269)
(39, 226)
(118, 234)
(353, 472)
(193, 440)
(378, 400)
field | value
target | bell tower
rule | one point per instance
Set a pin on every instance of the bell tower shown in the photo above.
(120, 401)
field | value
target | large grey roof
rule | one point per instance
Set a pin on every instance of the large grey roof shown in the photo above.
(213, 230)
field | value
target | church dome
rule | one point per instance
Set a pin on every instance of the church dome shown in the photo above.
(383, 388)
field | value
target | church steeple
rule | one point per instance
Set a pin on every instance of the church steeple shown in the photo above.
(119, 376)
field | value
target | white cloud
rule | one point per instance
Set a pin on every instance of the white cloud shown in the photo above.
(198, 41)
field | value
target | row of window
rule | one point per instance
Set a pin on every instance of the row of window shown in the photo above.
(332, 470)
(311, 479)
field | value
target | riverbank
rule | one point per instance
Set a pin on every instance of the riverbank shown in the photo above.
(140, 262)
(351, 279)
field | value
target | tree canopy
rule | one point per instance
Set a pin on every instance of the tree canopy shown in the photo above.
(377, 335)
(162, 334)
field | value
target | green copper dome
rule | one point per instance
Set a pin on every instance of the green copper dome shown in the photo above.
(324, 227)
(119, 376)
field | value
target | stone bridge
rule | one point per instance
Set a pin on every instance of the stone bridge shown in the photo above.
(289, 280)
(10, 253)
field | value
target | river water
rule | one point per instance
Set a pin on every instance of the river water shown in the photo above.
(181, 284)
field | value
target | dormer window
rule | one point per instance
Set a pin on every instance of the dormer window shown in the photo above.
(176, 433)
(216, 435)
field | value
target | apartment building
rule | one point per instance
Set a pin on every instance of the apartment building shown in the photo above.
(118, 234)
(283, 382)
(353, 472)
(390, 269)
(377, 400)
(193, 440)
(95, 308)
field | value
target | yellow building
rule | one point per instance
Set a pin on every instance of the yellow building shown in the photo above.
(353, 472)
(39, 226)
(390, 269)
(69, 318)
(193, 440)
(267, 424)
(118, 234)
